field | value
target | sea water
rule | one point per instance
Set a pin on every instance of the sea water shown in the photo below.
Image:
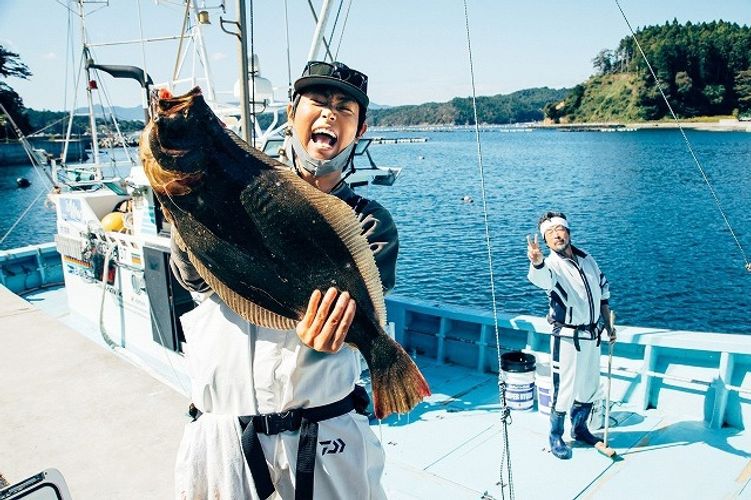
(635, 200)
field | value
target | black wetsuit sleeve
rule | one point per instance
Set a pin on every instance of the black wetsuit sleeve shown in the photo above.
(184, 271)
(384, 241)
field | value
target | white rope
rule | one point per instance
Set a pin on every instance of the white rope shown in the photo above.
(105, 274)
(685, 139)
(341, 36)
(506, 455)
(28, 149)
(336, 21)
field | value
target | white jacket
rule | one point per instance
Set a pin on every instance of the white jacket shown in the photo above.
(239, 369)
(576, 288)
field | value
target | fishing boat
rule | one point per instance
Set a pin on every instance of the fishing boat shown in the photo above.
(95, 383)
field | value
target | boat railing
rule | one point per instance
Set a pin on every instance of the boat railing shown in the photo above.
(27, 268)
(657, 363)
(705, 371)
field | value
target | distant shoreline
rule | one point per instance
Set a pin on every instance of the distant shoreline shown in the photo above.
(721, 125)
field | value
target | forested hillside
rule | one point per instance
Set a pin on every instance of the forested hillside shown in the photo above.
(522, 106)
(704, 70)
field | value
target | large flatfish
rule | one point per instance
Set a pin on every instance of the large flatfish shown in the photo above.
(264, 239)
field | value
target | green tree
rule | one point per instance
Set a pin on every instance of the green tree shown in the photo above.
(743, 89)
(12, 66)
(604, 62)
(715, 95)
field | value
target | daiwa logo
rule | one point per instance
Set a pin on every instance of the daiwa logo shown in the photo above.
(331, 447)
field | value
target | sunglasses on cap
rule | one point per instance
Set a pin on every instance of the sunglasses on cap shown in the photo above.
(338, 71)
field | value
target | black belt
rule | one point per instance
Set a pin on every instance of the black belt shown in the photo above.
(591, 328)
(304, 419)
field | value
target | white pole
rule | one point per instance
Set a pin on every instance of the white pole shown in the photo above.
(318, 35)
(610, 370)
(244, 88)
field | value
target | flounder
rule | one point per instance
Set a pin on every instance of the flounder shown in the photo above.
(264, 239)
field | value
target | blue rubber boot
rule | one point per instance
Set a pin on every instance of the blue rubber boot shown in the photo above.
(579, 417)
(557, 446)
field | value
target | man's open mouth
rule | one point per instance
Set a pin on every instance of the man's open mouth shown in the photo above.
(324, 137)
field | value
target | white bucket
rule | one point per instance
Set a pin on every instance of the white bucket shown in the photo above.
(519, 372)
(544, 382)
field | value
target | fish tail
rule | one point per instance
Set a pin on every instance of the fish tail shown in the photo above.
(396, 381)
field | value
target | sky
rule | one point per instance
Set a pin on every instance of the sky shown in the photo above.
(414, 51)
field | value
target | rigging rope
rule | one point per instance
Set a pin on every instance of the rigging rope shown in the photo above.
(336, 21)
(118, 133)
(685, 139)
(341, 35)
(176, 70)
(29, 150)
(505, 413)
(18, 221)
(143, 42)
(71, 116)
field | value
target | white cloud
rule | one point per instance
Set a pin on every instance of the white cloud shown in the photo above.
(218, 56)
(49, 56)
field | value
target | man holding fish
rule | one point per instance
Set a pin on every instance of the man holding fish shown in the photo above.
(276, 404)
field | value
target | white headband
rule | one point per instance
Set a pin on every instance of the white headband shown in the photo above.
(552, 222)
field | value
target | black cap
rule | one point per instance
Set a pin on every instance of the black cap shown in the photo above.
(334, 74)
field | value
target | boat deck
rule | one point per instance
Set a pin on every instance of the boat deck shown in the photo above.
(113, 430)
(68, 403)
(450, 447)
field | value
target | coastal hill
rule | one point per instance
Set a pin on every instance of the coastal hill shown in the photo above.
(704, 70)
(521, 106)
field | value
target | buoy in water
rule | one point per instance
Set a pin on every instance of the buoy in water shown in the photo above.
(467, 199)
(23, 182)
(113, 222)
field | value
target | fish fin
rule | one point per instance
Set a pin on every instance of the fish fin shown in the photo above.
(248, 310)
(396, 381)
(179, 240)
(346, 224)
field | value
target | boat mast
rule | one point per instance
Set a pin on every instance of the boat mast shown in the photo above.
(89, 85)
(319, 34)
(244, 87)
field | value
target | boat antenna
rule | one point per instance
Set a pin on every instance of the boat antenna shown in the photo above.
(505, 412)
(747, 264)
